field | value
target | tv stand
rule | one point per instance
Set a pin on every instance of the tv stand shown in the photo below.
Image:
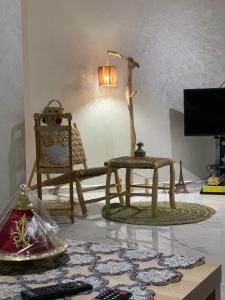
(218, 169)
(220, 161)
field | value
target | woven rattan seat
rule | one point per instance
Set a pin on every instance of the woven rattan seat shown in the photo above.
(146, 162)
(82, 174)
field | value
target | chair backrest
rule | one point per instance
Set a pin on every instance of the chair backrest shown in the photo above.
(78, 152)
(55, 142)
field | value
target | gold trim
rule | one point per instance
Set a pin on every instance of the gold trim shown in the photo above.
(59, 247)
(18, 235)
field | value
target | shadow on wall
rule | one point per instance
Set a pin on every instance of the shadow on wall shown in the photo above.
(16, 158)
(97, 110)
(194, 151)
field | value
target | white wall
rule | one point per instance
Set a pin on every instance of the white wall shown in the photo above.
(12, 135)
(179, 44)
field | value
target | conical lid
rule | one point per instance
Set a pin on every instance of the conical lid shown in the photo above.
(23, 201)
(26, 228)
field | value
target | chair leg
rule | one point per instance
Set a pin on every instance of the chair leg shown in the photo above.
(32, 174)
(107, 190)
(172, 186)
(80, 196)
(72, 214)
(118, 187)
(155, 193)
(128, 188)
(39, 188)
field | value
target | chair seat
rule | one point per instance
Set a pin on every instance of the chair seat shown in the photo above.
(82, 174)
(90, 172)
(146, 162)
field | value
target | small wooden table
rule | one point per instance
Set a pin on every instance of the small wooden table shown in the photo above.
(147, 162)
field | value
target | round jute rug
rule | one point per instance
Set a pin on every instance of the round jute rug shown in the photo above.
(140, 213)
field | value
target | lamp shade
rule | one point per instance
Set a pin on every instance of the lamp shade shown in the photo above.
(107, 76)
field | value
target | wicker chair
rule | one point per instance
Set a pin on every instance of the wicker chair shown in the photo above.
(47, 163)
(78, 157)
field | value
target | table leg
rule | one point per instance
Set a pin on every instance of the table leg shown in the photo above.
(118, 187)
(80, 196)
(155, 193)
(172, 186)
(107, 190)
(215, 295)
(128, 188)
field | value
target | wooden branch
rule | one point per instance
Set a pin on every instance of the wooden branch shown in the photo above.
(133, 94)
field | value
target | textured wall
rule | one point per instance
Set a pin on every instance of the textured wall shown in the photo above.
(12, 149)
(179, 44)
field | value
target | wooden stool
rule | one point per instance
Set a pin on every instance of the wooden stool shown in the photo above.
(147, 162)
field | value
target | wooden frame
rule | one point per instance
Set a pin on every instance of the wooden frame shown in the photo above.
(130, 163)
(129, 93)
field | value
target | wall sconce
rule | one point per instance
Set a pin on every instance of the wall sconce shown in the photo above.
(107, 76)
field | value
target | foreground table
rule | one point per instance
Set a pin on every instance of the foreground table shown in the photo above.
(199, 283)
(105, 265)
(147, 162)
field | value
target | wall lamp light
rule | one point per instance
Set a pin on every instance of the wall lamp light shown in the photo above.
(107, 76)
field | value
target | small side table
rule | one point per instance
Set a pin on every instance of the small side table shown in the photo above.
(129, 163)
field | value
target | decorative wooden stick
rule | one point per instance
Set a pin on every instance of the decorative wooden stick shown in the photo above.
(129, 99)
(131, 64)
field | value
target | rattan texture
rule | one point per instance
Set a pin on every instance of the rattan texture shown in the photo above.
(146, 162)
(49, 138)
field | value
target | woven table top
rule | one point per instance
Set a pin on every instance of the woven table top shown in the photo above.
(146, 162)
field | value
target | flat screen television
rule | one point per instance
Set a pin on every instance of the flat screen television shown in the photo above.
(204, 111)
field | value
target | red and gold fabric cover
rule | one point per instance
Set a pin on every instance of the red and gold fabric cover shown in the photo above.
(21, 232)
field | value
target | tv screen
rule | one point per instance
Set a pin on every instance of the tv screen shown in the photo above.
(204, 111)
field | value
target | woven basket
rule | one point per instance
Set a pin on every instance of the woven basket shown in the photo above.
(214, 180)
(55, 111)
